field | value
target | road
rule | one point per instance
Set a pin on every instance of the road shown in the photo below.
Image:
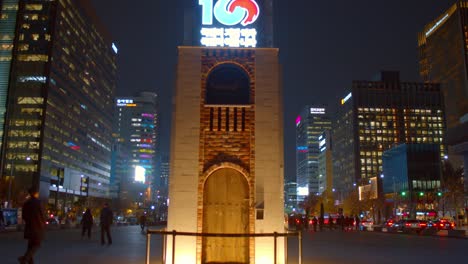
(66, 246)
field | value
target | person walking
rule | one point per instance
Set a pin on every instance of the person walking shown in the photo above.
(314, 223)
(87, 223)
(34, 229)
(2, 220)
(106, 222)
(142, 222)
(358, 228)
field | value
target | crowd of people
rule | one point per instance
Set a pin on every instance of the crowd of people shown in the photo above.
(345, 223)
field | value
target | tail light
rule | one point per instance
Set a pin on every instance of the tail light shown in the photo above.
(407, 224)
(441, 225)
(422, 224)
(453, 224)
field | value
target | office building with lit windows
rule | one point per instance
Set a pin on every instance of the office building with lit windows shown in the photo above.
(310, 124)
(443, 44)
(58, 74)
(325, 163)
(377, 115)
(136, 129)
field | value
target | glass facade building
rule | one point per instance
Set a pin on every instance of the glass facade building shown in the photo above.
(310, 124)
(136, 129)
(377, 115)
(58, 122)
(412, 178)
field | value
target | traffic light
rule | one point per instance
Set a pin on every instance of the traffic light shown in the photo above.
(403, 193)
(421, 194)
(439, 194)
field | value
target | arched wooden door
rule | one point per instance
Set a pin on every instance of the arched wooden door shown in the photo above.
(225, 210)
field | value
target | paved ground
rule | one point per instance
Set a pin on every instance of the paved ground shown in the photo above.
(375, 247)
(66, 246)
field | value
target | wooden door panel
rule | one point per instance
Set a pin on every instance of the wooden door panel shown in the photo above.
(226, 210)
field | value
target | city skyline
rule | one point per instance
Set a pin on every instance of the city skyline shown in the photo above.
(339, 46)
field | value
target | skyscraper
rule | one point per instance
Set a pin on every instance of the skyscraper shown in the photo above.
(61, 86)
(377, 115)
(136, 129)
(442, 47)
(310, 124)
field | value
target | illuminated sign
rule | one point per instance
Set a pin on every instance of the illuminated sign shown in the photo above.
(344, 100)
(302, 149)
(140, 174)
(228, 14)
(437, 24)
(303, 191)
(298, 121)
(317, 111)
(114, 47)
(322, 143)
(125, 102)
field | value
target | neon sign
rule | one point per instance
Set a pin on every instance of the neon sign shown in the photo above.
(229, 13)
(298, 121)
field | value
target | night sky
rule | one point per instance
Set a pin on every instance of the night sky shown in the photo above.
(324, 45)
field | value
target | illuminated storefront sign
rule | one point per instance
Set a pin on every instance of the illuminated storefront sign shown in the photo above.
(229, 14)
(317, 111)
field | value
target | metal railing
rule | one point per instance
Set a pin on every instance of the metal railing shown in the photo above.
(174, 233)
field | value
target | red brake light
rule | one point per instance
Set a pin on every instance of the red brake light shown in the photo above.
(407, 224)
(452, 224)
(422, 224)
(441, 224)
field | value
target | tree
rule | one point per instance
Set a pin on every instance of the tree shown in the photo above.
(452, 189)
(310, 203)
(351, 204)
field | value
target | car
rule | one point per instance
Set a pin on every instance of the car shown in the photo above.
(366, 225)
(441, 224)
(414, 225)
(52, 222)
(387, 224)
(396, 226)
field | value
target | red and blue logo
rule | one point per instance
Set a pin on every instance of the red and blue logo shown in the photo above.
(230, 12)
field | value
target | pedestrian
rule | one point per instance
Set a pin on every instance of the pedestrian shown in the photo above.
(87, 223)
(34, 229)
(314, 223)
(357, 223)
(342, 222)
(106, 222)
(142, 222)
(2, 220)
(321, 223)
